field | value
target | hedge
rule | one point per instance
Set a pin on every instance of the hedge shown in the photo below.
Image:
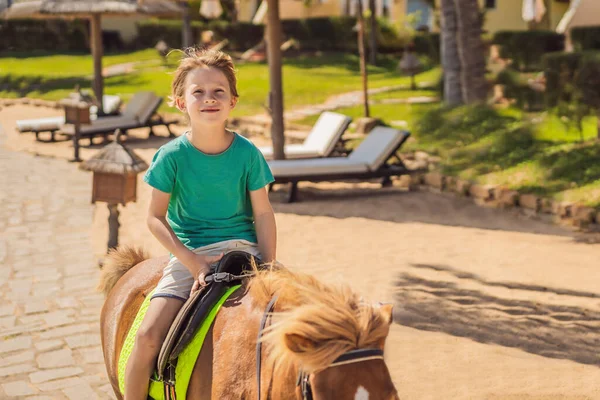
(586, 38)
(569, 72)
(526, 48)
(45, 35)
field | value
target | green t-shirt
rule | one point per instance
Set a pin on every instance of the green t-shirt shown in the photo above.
(210, 199)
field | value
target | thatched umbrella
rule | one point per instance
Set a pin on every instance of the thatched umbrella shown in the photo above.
(115, 170)
(92, 10)
(115, 158)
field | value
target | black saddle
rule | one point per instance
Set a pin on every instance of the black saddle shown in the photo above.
(234, 266)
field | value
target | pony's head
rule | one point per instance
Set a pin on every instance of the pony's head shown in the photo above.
(330, 335)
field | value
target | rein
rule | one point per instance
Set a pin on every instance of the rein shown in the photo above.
(350, 357)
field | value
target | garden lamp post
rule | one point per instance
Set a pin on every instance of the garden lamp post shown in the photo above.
(115, 170)
(410, 65)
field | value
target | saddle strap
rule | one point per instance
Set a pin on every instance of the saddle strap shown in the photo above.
(169, 381)
(263, 322)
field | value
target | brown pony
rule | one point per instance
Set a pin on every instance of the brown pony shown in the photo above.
(311, 326)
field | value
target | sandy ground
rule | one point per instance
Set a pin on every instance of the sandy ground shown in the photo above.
(487, 305)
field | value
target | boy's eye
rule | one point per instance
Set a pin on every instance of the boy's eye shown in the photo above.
(219, 90)
(198, 91)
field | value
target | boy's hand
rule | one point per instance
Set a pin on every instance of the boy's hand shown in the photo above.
(202, 264)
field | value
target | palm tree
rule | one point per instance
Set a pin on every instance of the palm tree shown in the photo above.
(275, 78)
(471, 51)
(463, 58)
(450, 57)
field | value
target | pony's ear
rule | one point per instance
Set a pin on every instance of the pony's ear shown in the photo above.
(298, 343)
(387, 310)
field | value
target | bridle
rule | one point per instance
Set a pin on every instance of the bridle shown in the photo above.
(350, 357)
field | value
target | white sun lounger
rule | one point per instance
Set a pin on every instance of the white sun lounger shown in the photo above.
(141, 112)
(320, 142)
(110, 105)
(369, 160)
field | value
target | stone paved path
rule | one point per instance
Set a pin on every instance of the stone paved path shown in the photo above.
(49, 309)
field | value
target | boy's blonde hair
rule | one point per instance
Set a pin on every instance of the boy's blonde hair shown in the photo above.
(194, 58)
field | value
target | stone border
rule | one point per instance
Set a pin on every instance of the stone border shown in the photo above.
(568, 214)
(28, 101)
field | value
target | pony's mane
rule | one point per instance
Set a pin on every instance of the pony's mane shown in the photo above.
(314, 323)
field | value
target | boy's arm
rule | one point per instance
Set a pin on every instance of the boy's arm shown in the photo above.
(264, 219)
(160, 228)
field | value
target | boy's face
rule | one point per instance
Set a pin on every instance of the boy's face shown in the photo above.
(207, 97)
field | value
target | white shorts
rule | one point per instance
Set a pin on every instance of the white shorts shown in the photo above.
(177, 281)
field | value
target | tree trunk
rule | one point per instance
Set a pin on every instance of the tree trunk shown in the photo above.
(598, 124)
(361, 53)
(97, 51)
(450, 58)
(186, 27)
(471, 52)
(373, 34)
(275, 78)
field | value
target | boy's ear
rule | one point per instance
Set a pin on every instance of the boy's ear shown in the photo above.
(180, 104)
(234, 101)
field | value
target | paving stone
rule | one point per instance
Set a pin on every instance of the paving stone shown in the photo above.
(34, 319)
(66, 302)
(65, 331)
(60, 384)
(24, 330)
(95, 318)
(7, 310)
(83, 391)
(108, 389)
(16, 369)
(4, 274)
(36, 307)
(18, 358)
(48, 345)
(18, 388)
(54, 359)
(7, 322)
(15, 344)
(20, 285)
(85, 340)
(95, 380)
(58, 319)
(92, 355)
(45, 376)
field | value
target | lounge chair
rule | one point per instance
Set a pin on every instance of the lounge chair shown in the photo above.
(110, 105)
(369, 160)
(139, 113)
(324, 139)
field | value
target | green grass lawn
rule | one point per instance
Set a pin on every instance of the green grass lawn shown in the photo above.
(307, 80)
(390, 114)
(504, 147)
(531, 153)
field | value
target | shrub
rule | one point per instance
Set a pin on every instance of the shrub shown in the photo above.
(586, 38)
(526, 48)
